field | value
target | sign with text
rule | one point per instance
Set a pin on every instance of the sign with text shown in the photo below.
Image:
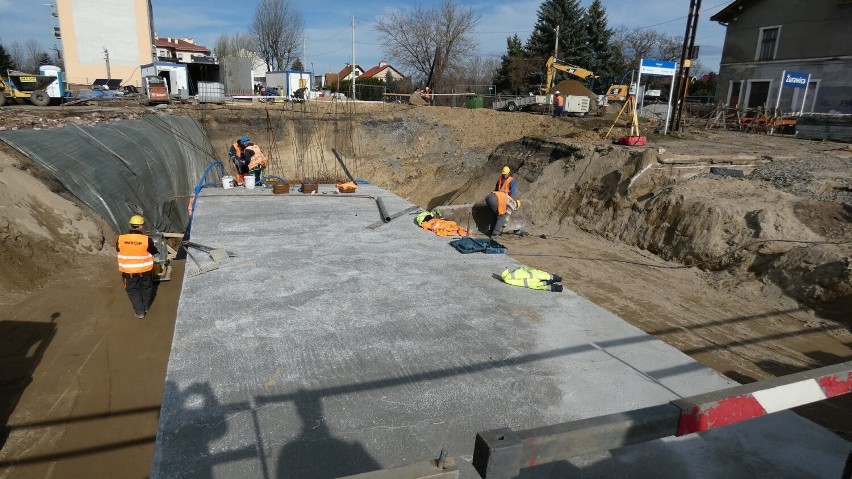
(796, 79)
(657, 67)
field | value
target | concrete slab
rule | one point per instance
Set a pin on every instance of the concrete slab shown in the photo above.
(328, 349)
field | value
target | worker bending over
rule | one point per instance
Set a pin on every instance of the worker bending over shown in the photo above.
(506, 183)
(502, 204)
(237, 157)
(254, 161)
(136, 262)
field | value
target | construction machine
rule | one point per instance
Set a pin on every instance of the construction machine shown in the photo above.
(27, 87)
(554, 65)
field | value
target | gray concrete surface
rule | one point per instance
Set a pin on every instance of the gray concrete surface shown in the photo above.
(327, 349)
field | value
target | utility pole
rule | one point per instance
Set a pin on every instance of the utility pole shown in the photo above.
(686, 60)
(353, 58)
(106, 57)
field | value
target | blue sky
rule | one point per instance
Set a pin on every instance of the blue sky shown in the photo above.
(328, 25)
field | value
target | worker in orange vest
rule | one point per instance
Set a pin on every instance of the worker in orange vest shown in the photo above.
(503, 205)
(558, 103)
(136, 262)
(506, 183)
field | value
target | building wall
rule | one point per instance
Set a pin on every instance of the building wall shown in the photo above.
(123, 27)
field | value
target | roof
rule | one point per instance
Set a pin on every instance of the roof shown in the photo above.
(347, 70)
(726, 14)
(180, 45)
(377, 71)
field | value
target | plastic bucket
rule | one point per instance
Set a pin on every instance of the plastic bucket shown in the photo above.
(248, 180)
(227, 182)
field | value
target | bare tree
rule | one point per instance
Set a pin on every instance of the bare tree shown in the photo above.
(277, 28)
(234, 45)
(28, 56)
(433, 42)
(633, 45)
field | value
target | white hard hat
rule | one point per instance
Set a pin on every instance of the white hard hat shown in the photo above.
(556, 92)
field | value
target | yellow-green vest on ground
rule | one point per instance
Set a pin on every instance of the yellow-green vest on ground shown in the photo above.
(528, 278)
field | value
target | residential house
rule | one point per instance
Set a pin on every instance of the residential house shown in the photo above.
(765, 38)
(381, 72)
(182, 50)
(105, 39)
(342, 75)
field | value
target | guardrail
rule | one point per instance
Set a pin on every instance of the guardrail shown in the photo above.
(502, 453)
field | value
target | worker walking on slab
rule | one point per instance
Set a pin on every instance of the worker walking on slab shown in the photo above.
(502, 204)
(136, 253)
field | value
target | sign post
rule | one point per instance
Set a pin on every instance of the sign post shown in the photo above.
(793, 79)
(661, 69)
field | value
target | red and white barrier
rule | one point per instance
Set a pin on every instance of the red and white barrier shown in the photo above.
(729, 406)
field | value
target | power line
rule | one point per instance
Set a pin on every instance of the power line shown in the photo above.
(678, 18)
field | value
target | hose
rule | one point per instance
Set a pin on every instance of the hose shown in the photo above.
(202, 183)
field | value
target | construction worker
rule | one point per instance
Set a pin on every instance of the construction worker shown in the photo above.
(136, 262)
(254, 160)
(532, 278)
(558, 104)
(237, 157)
(502, 205)
(506, 183)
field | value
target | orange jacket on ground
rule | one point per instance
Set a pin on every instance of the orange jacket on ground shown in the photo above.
(443, 227)
(133, 255)
(348, 187)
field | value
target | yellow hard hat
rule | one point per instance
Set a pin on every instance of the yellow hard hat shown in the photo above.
(506, 170)
(136, 220)
(518, 204)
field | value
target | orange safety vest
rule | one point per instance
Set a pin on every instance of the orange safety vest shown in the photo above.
(502, 201)
(133, 255)
(258, 159)
(559, 100)
(237, 150)
(504, 185)
(443, 227)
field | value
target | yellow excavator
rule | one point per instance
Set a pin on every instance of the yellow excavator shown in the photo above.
(554, 65)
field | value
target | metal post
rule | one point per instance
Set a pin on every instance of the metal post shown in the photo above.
(106, 57)
(353, 58)
(688, 45)
(805, 95)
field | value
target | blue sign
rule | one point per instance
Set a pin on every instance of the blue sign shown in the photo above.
(796, 79)
(657, 67)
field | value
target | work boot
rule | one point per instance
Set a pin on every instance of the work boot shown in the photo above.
(556, 278)
(140, 315)
(556, 288)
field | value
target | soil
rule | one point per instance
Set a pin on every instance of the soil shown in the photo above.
(748, 274)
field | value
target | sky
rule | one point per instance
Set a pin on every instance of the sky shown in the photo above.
(328, 26)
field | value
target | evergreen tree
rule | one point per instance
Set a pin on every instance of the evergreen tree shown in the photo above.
(503, 79)
(599, 35)
(6, 62)
(44, 59)
(297, 65)
(573, 43)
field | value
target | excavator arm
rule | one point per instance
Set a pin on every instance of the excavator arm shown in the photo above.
(553, 65)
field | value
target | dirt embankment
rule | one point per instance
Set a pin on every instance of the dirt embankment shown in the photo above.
(741, 228)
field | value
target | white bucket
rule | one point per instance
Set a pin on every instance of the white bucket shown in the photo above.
(227, 182)
(248, 181)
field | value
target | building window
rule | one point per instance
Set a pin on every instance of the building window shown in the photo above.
(768, 43)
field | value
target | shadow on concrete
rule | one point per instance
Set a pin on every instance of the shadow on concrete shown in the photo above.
(22, 345)
(316, 453)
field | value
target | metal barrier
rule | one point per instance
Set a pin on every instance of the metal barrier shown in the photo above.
(501, 453)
